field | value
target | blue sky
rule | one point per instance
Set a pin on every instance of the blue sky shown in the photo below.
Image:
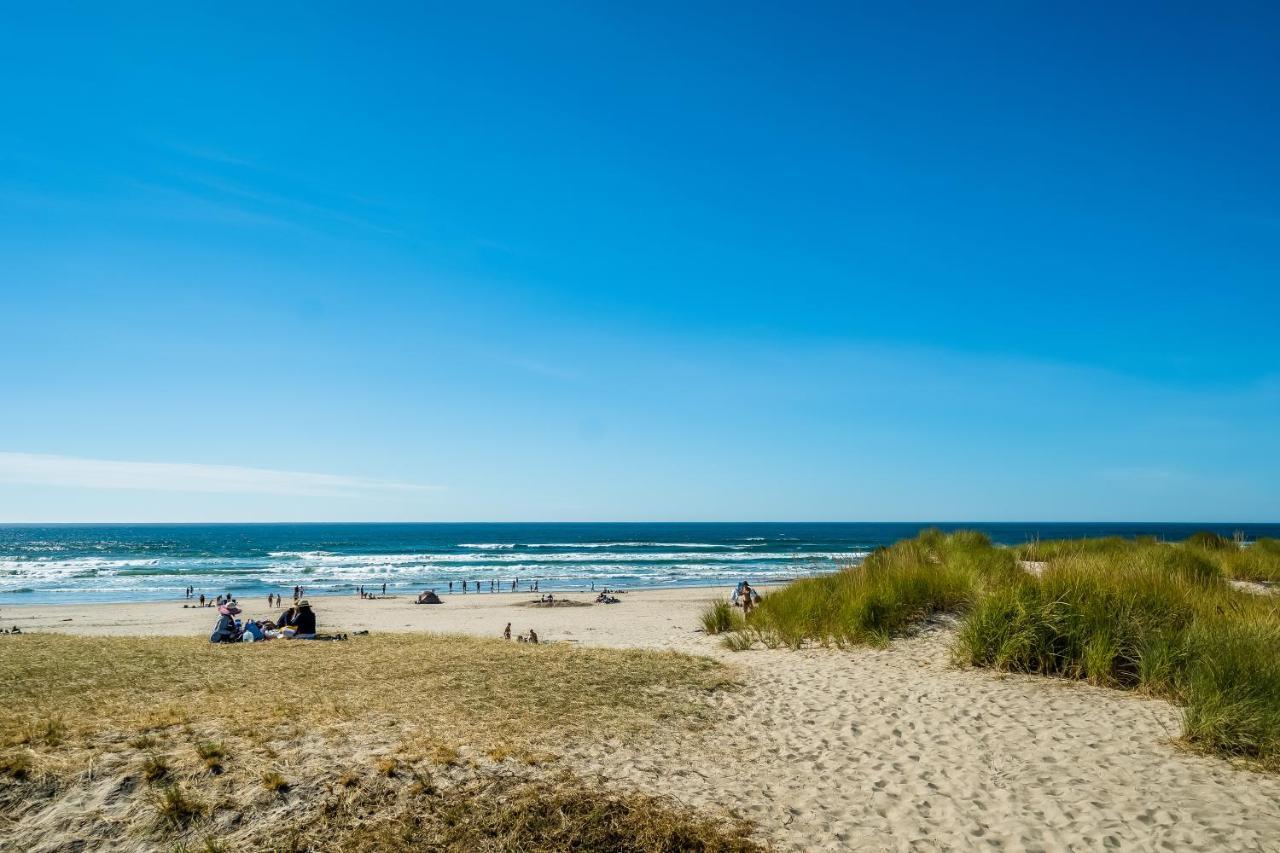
(539, 261)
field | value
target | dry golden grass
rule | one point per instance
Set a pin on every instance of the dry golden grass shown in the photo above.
(461, 691)
(176, 736)
(505, 813)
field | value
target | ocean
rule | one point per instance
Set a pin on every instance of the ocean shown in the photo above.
(103, 563)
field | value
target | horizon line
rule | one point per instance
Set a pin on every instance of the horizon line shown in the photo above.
(647, 521)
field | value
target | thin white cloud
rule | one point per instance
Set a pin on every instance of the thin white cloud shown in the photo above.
(73, 472)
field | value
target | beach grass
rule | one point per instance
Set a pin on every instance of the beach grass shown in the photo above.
(1259, 561)
(893, 589)
(549, 815)
(721, 618)
(1159, 618)
(198, 735)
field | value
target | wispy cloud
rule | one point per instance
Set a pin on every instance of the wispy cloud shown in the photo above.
(69, 471)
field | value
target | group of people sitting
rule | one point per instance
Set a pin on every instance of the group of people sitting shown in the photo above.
(606, 596)
(297, 622)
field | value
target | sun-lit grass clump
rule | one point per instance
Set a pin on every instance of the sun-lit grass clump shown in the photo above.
(187, 736)
(1132, 614)
(893, 589)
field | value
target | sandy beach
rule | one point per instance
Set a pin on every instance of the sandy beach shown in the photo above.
(866, 749)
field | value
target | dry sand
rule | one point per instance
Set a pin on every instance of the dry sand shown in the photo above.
(865, 749)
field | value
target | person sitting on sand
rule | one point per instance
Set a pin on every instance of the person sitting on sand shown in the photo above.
(304, 621)
(226, 631)
(506, 632)
(533, 636)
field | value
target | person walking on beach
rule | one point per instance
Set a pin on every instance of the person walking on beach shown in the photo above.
(384, 589)
(202, 599)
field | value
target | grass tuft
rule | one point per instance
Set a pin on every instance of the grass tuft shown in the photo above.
(16, 765)
(721, 618)
(155, 768)
(177, 808)
(212, 753)
(274, 782)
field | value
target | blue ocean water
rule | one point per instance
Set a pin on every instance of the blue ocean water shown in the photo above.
(80, 563)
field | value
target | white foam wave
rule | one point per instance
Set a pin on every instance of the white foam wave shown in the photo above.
(630, 544)
(300, 553)
(568, 557)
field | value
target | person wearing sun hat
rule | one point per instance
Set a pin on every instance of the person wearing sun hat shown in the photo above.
(226, 630)
(304, 621)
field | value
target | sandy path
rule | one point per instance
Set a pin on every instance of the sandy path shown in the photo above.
(895, 750)
(863, 749)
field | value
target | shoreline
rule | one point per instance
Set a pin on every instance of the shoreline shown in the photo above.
(774, 582)
(641, 619)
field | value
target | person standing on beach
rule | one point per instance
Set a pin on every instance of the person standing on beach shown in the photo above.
(384, 589)
(506, 633)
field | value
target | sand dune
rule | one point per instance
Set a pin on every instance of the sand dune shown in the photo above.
(865, 749)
